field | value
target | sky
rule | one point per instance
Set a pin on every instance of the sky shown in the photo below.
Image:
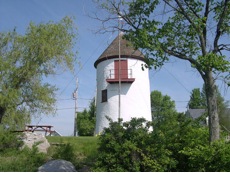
(175, 79)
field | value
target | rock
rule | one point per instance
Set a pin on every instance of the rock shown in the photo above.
(37, 139)
(57, 166)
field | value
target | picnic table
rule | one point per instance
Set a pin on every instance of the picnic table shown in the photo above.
(44, 128)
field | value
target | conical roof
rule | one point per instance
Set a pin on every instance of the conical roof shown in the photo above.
(127, 50)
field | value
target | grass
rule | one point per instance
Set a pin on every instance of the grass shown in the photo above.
(81, 151)
(84, 149)
(25, 160)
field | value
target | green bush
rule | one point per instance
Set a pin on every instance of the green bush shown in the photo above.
(26, 160)
(65, 152)
(126, 147)
(177, 143)
(14, 159)
(84, 149)
(9, 140)
(208, 158)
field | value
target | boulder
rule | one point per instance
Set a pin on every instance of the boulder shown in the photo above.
(37, 139)
(57, 166)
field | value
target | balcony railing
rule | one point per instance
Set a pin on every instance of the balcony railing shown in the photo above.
(126, 76)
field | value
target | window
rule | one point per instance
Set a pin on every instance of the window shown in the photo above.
(104, 95)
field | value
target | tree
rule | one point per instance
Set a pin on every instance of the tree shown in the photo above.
(196, 100)
(193, 31)
(25, 61)
(161, 104)
(86, 120)
(162, 108)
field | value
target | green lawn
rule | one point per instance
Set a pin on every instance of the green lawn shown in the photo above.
(85, 148)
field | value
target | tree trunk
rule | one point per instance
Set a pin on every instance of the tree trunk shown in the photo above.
(211, 95)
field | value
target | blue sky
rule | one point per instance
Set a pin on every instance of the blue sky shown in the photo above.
(176, 78)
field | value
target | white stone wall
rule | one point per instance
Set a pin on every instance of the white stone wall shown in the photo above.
(135, 97)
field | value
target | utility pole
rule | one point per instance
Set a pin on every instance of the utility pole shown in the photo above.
(75, 95)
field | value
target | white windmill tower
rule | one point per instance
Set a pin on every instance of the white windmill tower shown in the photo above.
(123, 89)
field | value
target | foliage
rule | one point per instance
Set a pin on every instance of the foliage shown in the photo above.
(177, 144)
(64, 151)
(130, 146)
(9, 140)
(15, 159)
(208, 158)
(194, 31)
(161, 105)
(25, 160)
(124, 147)
(196, 100)
(25, 61)
(86, 120)
(81, 151)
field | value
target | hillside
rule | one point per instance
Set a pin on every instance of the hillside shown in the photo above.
(84, 150)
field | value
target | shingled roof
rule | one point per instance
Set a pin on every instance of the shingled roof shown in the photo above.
(127, 50)
(195, 113)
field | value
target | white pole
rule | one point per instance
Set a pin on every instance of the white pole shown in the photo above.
(75, 95)
(119, 71)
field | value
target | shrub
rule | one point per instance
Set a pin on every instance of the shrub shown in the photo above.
(65, 152)
(25, 160)
(177, 143)
(15, 159)
(9, 140)
(208, 158)
(126, 147)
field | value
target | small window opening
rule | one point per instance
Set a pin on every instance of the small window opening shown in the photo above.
(104, 95)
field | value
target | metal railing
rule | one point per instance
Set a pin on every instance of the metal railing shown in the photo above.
(124, 73)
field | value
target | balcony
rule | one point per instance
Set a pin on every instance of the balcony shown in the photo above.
(126, 76)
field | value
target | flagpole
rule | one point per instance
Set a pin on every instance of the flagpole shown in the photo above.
(119, 76)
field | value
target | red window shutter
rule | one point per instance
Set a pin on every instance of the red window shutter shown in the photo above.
(123, 70)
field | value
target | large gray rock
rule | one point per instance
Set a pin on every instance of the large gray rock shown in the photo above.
(57, 166)
(37, 139)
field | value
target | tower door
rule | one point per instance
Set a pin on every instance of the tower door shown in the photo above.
(123, 69)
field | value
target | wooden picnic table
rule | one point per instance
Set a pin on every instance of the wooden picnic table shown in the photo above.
(45, 128)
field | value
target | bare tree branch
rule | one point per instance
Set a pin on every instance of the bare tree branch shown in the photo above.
(183, 12)
(184, 57)
(219, 25)
(206, 18)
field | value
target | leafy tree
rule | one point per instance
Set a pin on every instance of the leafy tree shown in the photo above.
(193, 31)
(25, 61)
(196, 100)
(161, 105)
(86, 120)
(163, 109)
